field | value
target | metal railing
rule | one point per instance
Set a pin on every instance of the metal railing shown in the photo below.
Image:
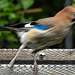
(42, 70)
(54, 62)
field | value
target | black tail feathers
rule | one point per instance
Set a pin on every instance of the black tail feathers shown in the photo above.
(3, 28)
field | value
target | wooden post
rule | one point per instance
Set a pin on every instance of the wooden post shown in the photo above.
(69, 38)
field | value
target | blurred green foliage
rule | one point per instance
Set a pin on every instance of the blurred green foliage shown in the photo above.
(9, 15)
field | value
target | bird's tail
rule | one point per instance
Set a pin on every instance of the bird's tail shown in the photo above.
(19, 32)
(3, 28)
(6, 28)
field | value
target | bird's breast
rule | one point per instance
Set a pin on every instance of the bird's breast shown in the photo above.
(47, 40)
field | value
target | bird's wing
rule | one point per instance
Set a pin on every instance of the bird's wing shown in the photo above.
(48, 22)
(26, 26)
(41, 24)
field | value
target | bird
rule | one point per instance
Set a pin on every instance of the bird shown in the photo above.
(43, 33)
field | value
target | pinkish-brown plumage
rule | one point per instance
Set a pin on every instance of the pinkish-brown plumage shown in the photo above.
(60, 23)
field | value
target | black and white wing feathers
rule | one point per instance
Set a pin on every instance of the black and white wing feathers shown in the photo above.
(26, 26)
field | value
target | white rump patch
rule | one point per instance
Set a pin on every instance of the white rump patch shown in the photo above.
(20, 33)
(28, 25)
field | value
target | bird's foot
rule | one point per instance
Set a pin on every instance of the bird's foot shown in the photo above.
(11, 64)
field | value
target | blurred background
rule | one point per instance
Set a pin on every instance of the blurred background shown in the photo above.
(17, 11)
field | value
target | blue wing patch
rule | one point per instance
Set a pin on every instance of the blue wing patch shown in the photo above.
(39, 26)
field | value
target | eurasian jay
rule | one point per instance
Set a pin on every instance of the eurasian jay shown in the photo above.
(43, 33)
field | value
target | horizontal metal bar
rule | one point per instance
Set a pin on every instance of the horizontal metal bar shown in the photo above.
(42, 70)
(47, 54)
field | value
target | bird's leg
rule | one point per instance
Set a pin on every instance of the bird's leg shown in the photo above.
(13, 60)
(35, 62)
(34, 58)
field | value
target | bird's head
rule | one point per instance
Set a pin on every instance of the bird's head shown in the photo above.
(67, 14)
